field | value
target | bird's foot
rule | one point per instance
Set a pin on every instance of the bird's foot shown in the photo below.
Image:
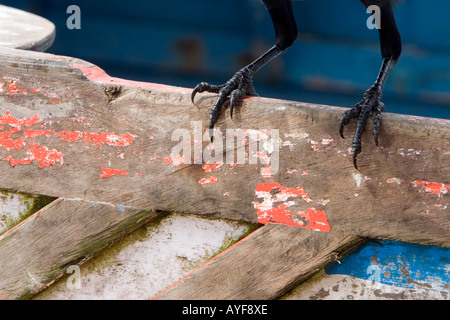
(371, 103)
(238, 87)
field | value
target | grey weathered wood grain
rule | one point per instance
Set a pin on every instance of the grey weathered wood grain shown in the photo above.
(393, 195)
(263, 266)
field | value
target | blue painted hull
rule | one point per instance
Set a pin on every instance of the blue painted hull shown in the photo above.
(398, 264)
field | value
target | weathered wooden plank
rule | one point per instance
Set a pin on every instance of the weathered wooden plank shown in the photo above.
(62, 234)
(70, 130)
(24, 30)
(263, 266)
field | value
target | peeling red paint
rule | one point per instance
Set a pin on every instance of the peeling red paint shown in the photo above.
(266, 172)
(210, 180)
(311, 218)
(433, 187)
(33, 134)
(208, 168)
(175, 160)
(98, 139)
(27, 122)
(96, 74)
(107, 172)
(42, 155)
(11, 144)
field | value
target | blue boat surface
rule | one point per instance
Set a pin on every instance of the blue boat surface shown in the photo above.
(398, 264)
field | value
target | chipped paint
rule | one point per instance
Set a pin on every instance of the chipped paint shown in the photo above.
(266, 172)
(210, 167)
(108, 172)
(96, 74)
(432, 187)
(43, 155)
(271, 193)
(210, 180)
(176, 160)
(393, 180)
(327, 141)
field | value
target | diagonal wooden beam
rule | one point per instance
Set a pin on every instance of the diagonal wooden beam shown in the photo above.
(65, 233)
(263, 266)
(70, 130)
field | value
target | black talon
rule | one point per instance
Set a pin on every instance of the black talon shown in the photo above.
(281, 13)
(238, 87)
(204, 86)
(371, 103)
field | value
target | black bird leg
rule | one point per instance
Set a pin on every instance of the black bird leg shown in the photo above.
(238, 87)
(371, 103)
(241, 84)
(390, 43)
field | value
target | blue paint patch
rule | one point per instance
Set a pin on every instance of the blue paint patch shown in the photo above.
(398, 264)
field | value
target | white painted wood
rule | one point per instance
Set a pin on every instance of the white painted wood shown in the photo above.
(151, 259)
(24, 30)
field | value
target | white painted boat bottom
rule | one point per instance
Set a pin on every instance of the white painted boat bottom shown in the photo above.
(149, 260)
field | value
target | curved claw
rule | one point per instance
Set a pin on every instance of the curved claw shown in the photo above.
(239, 86)
(194, 92)
(214, 113)
(204, 86)
(236, 95)
(355, 155)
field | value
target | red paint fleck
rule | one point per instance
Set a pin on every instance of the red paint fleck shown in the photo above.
(70, 136)
(210, 180)
(32, 134)
(233, 165)
(214, 166)
(433, 187)
(42, 155)
(107, 172)
(96, 74)
(27, 122)
(311, 218)
(267, 172)
(176, 160)
(8, 134)
(11, 144)
(12, 88)
(98, 139)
